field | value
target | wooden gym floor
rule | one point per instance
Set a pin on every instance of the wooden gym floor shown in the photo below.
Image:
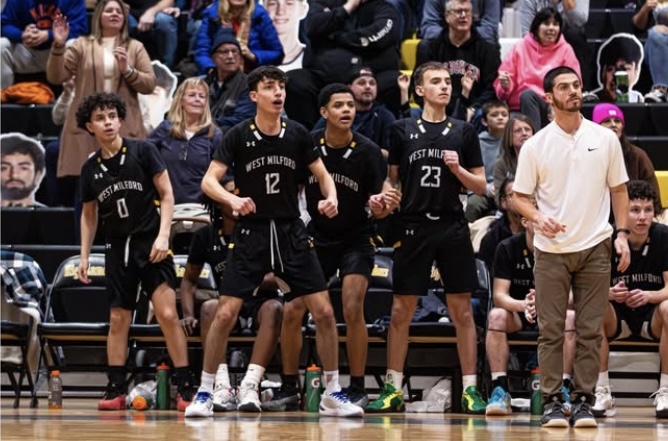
(80, 421)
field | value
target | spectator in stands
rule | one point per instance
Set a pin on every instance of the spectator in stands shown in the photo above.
(264, 311)
(638, 298)
(137, 238)
(155, 105)
(109, 61)
(372, 119)
(621, 52)
(518, 130)
(345, 35)
(494, 118)
(250, 23)
(22, 170)
(526, 63)
(432, 158)
(27, 33)
(286, 16)
(574, 189)
(507, 224)
(343, 244)
(471, 61)
(486, 15)
(154, 23)
(514, 310)
(187, 138)
(638, 164)
(228, 86)
(652, 16)
(575, 14)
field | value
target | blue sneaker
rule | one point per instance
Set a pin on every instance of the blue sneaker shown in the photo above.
(201, 406)
(499, 402)
(567, 400)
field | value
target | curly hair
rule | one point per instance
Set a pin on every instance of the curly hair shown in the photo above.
(639, 189)
(99, 101)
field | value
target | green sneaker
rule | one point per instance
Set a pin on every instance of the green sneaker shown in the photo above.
(390, 400)
(472, 401)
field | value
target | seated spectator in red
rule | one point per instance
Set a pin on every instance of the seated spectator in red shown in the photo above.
(186, 139)
(251, 25)
(638, 164)
(520, 80)
(345, 35)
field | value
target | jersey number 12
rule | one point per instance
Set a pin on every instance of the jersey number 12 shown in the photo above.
(272, 179)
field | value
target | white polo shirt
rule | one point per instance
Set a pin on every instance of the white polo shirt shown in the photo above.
(571, 176)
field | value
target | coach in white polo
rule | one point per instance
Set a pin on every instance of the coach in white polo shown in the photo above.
(573, 169)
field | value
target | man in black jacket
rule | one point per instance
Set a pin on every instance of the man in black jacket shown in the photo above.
(472, 62)
(344, 35)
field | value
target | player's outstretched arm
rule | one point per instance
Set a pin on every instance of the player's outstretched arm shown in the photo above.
(329, 205)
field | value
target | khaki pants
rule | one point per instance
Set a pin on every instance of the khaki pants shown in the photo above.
(587, 273)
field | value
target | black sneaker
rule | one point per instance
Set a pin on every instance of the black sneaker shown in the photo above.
(357, 396)
(583, 415)
(553, 415)
(286, 399)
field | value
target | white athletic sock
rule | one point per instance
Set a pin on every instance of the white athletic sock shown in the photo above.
(223, 376)
(566, 376)
(331, 381)
(664, 381)
(469, 380)
(395, 378)
(603, 379)
(496, 375)
(206, 382)
(253, 375)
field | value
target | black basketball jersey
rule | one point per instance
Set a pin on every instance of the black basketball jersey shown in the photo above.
(268, 169)
(358, 170)
(647, 263)
(514, 261)
(209, 245)
(418, 148)
(127, 201)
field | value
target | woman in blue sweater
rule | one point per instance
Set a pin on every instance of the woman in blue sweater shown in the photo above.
(186, 139)
(250, 24)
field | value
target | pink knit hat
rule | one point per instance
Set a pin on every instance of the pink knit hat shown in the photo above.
(604, 111)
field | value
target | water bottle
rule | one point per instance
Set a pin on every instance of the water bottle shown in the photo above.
(142, 396)
(56, 391)
(536, 397)
(313, 388)
(162, 393)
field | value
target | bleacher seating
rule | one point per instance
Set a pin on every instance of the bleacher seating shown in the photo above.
(31, 120)
(605, 22)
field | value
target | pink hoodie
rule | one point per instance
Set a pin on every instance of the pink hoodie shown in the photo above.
(528, 62)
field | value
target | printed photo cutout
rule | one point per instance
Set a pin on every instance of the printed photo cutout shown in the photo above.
(23, 169)
(286, 16)
(619, 54)
(155, 105)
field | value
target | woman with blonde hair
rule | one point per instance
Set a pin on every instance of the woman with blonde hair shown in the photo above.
(187, 138)
(107, 60)
(518, 130)
(250, 24)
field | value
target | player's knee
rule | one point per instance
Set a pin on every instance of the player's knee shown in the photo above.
(208, 311)
(167, 315)
(662, 309)
(497, 319)
(118, 320)
(401, 316)
(271, 314)
(225, 318)
(353, 311)
(462, 314)
(322, 312)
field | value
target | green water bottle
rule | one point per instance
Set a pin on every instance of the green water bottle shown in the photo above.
(536, 396)
(162, 398)
(313, 388)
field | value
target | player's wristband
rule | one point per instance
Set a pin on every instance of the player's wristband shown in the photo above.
(623, 230)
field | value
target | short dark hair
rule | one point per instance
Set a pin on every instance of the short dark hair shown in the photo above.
(418, 75)
(99, 101)
(619, 47)
(326, 93)
(502, 194)
(491, 104)
(548, 80)
(639, 189)
(14, 143)
(544, 15)
(265, 73)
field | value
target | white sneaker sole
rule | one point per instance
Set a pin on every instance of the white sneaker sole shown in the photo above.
(340, 413)
(249, 407)
(196, 413)
(224, 407)
(585, 422)
(497, 411)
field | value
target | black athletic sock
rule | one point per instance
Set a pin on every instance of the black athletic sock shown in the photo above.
(357, 382)
(501, 381)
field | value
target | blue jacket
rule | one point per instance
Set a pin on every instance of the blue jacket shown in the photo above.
(262, 39)
(20, 13)
(187, 160)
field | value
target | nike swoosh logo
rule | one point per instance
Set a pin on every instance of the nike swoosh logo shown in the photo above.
(589, 149)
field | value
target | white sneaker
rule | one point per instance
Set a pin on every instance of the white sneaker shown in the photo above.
(249, 398)
(605, 402)
(224, 399)
(201, 406)
(656, 96)
(661, 402)
(337, 404)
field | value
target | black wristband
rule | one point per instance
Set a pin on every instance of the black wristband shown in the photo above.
(623, 230)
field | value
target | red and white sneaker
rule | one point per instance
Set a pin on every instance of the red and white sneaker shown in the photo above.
(114, 399)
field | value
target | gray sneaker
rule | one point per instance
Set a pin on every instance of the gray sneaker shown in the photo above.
(583, 415)
(286, 399)
(357, 396)
(553, 414)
